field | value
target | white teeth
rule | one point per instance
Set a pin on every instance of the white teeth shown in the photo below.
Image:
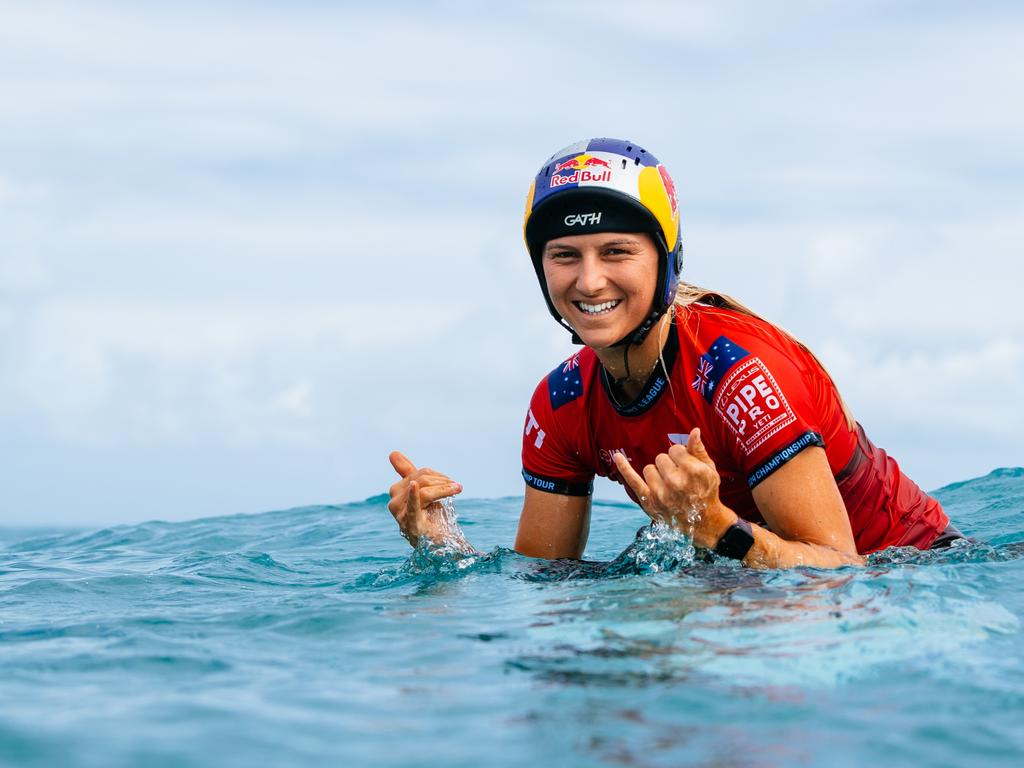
(594, 309)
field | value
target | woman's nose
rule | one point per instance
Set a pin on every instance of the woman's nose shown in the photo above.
(590, 279)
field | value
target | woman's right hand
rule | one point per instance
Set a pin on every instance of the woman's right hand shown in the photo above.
(415, 500)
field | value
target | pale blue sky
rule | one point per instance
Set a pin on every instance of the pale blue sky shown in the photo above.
(248, 248)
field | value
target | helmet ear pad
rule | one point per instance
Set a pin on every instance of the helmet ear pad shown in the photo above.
(673, 263)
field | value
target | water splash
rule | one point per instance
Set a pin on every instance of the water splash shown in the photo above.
(657, 548)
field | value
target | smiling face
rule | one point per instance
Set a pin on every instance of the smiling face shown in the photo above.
(603, 283)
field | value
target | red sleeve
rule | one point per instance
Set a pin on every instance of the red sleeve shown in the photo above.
(550, 463)
(766, 402)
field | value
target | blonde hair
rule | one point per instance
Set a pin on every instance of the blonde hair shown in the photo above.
(688, 294)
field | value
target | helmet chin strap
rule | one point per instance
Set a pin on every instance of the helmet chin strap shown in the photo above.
(636, 336)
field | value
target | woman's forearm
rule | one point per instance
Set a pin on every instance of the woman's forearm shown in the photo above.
(773, 551)
(769, 550)
(681, 489)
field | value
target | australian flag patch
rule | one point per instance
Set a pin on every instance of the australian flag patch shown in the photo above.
(714, 364)
(565, 383)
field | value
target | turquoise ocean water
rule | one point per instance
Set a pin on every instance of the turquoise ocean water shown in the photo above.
(315, 636)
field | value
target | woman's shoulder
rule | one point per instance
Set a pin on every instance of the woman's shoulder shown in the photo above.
(568, 381)
(704, 324)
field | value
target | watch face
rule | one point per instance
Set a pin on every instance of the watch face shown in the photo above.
(736, 541)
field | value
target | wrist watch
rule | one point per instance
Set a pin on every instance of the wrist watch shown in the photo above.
(736, 541)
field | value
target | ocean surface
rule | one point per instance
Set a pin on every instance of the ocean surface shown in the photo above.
(317, 636)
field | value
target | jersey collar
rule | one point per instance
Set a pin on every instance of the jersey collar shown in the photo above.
(656, 383)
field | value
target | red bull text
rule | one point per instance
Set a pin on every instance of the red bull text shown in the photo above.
(583, 168)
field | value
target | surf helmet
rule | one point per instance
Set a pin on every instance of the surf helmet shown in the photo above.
(606, 185)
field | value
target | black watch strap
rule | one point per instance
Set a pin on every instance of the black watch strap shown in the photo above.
(736, 541)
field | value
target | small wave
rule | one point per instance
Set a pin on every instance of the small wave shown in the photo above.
(427, 564)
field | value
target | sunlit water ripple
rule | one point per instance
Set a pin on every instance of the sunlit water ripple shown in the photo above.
(314, 634)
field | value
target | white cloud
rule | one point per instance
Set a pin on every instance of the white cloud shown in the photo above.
(968, 391)
(298, 225)
(110, 370)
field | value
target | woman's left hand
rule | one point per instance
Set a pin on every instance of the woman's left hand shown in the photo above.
(681, 489)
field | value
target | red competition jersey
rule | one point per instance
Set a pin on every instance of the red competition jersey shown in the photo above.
(758, 398)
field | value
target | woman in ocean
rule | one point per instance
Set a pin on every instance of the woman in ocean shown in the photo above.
(712, 417)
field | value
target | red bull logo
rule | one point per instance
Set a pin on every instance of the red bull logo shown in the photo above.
(580, 162)
(581, 168)
(670, 188)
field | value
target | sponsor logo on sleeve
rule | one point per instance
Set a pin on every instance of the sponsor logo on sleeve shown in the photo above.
(554, 485)
(533, 425)
(752, 405)
(780, 458)
(540, 483)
